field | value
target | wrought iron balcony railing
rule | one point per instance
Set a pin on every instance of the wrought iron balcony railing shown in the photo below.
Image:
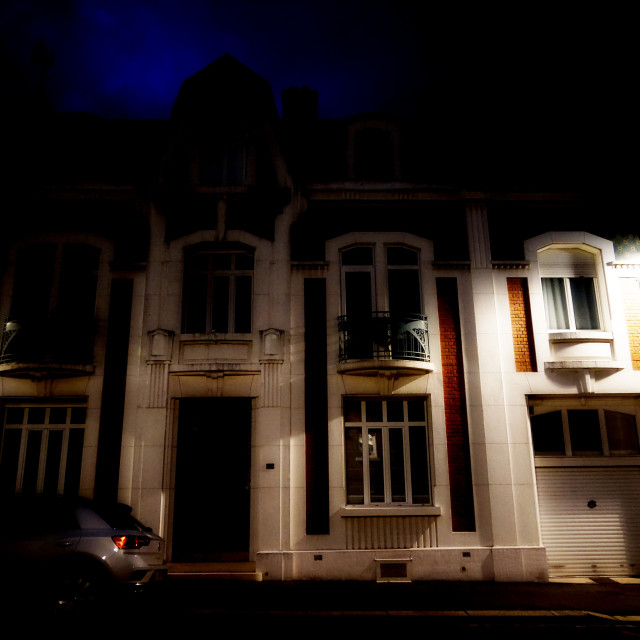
(384, 336)
(52, 341)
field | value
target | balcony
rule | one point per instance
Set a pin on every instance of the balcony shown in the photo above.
(384, 342)
(50, 348)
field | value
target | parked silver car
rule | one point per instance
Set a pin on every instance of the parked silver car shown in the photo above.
(74, 551)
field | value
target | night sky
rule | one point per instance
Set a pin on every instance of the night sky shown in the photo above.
(549, 75)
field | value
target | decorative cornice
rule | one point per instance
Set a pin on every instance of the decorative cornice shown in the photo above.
(309, 266)
(459, 265)
(510, 264)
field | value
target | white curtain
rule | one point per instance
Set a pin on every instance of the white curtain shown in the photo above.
(555, 303)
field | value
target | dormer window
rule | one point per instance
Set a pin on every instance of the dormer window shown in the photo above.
(223, 164)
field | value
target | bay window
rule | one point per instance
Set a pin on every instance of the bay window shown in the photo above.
(570, 289)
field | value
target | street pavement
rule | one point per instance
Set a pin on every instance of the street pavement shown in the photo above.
(606, 598)
(581, 609)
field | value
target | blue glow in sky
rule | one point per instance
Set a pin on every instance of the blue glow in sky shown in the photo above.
(120, 58)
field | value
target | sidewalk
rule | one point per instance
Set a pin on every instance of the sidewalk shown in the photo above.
(615, 598)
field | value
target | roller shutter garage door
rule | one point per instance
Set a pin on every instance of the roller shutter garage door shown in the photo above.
(590, 520)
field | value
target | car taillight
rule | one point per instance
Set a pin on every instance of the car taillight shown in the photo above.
(130, 542)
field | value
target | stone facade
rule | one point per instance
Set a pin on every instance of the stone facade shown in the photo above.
(270, 300)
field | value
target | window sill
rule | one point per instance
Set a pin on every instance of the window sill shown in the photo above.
(587, 461)
(217, 337)
(580, 336)
(400, 510)
(572, 365)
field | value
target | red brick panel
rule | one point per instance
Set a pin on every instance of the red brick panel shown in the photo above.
(455, 407)
(521, 327)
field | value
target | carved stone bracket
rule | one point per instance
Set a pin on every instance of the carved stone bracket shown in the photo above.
(160, 347)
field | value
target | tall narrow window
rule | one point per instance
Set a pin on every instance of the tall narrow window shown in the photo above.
(379, 323)
(218, 290)
(403, 277)
(358, 277)
(386, 452)
(570, 289)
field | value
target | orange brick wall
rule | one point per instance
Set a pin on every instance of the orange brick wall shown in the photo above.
(455, 407)
(523, 346)
(630, 288)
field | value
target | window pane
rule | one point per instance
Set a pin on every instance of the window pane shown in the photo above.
(376, 465)
(547, 434)
(395, 411)
(58, 415)
(416, 410)
(585, 309)
(396, 464)
(244, 262)
(622, 433)
(197, 262)
(195, 307)
(555, 303)
(419, 465)
(358, 256)
(352, 410)
(74, 462)
(374, 410)
(584, 427)
(14, 415)
(78, 415)
(9, 460)
(220, 304)
(400, 256)
(52, 467)
(36, 415)
(353, 455)
(404, 291)
(32, 462)
(243, 304)
(221, 261)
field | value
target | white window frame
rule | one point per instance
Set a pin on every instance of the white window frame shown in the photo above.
(385, 426)
(567, 263)
(543, 405)
(211, 296)
(46, 428)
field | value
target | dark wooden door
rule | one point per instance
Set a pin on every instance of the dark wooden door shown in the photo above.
(211, 509)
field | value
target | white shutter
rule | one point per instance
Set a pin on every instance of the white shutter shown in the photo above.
(590, 520)
(568, 263)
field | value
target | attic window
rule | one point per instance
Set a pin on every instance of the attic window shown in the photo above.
(223, 164)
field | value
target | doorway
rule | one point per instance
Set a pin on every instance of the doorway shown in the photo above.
(212, 482)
